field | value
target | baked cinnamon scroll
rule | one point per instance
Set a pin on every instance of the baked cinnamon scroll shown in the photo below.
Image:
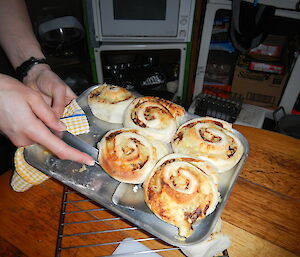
(108, 102)
(128, 155)
(157, 117)
(209, 137)
(181, 190)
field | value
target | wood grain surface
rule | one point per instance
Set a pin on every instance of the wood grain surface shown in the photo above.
(261, 216)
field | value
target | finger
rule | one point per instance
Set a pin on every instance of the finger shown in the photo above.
(44, 112)
(62, 95)
(19, 140)
(70, 95)
(59, 148)
(47, 99)
(58, 100)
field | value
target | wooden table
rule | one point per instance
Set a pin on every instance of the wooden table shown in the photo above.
(261, 217)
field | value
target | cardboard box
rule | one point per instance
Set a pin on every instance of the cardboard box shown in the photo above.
(271, 47)
(223, 91)
(266, 67)
(258, 88)
(247, 62)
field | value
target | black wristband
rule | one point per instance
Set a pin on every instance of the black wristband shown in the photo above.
(23, 69)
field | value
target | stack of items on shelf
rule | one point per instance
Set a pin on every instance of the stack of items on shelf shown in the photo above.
(260, 76)
(216, 99)
(222, 55)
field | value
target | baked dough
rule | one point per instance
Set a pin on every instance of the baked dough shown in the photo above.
(157, 117)
(108, 102)
(209, 137)
(181, 190)
(128, 155)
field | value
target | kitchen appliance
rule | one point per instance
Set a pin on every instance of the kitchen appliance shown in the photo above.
(59, 29)
(62, 32)
(146, 68)
(143, 21)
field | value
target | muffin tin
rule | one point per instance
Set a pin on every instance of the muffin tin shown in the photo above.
(124, 199)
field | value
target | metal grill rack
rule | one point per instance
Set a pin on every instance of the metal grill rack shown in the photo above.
(75, 237)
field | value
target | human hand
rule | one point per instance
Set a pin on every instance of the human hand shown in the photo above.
(54, 91)
(25, 116)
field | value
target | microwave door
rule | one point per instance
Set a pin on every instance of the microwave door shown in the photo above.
(139, 18)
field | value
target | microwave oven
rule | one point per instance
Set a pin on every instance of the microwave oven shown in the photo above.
(143, 20)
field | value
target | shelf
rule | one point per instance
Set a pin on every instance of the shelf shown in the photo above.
(292, 88)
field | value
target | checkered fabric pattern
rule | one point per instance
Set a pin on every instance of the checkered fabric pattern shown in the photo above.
(25, 176)
(75, 119)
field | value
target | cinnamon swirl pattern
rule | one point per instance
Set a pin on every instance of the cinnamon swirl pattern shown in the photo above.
(155, 116)
(181, 190)
(108, 102)
(209, 137)
(128, 155)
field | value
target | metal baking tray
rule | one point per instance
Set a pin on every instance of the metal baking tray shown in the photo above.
(97, 185)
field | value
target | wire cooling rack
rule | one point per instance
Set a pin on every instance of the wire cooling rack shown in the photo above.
(87, 229)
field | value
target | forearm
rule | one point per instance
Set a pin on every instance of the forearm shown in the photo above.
(16, 34)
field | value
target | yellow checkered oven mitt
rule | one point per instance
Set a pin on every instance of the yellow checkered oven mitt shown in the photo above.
(25, 176)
